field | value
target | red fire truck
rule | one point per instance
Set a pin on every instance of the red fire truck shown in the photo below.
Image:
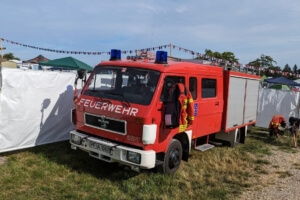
(120, 114)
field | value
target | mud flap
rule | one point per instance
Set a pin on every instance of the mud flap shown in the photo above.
(233, 137)
(243, 134)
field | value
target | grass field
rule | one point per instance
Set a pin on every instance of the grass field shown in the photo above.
(55, 171)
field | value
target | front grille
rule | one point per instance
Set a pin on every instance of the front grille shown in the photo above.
(105, 123)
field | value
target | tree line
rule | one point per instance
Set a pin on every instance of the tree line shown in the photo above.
(260, 64)
(10, 56)
(264, 65)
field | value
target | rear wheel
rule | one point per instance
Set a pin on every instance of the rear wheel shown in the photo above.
(172, 158)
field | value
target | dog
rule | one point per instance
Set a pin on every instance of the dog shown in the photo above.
(294, 127)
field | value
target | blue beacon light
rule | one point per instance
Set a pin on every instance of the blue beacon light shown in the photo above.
(115, 54)
(161, 57)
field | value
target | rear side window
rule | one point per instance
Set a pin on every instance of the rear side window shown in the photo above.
(209, 88)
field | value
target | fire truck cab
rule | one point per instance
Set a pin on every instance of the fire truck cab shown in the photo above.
(120, 114)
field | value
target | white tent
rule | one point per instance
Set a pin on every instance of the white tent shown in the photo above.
(272, 102)
(35, 108)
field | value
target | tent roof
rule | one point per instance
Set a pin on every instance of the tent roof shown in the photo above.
(263, 77)
(67, 63)
(282, 80)
(37, 59)
(280, 87)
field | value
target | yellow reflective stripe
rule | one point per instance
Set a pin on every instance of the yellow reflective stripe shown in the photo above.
(185, 102)
(182, 127)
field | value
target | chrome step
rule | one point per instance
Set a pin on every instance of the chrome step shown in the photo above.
(204, 147)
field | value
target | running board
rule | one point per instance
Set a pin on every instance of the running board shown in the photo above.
(204, 147)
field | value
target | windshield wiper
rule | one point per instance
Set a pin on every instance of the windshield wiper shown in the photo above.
(120, 95)
(95, 91)
(99, 95)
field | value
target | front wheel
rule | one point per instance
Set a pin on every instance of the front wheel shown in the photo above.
(172, 158)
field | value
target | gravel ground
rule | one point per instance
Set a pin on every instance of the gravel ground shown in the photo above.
(282, 180)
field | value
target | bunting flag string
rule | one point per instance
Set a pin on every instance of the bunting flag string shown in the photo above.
(197, 54)
(53, 50)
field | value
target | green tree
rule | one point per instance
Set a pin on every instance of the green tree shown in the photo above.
(273, 71)
(10, 56)
(262, 63)
(228, 56)
(217, 54)
(287, 68)
(267, 61)
(295, 69)
(208, 52)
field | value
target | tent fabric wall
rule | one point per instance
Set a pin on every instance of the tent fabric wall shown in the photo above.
(35, 108)
(272, 102)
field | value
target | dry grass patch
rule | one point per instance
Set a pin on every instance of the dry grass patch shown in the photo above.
(284, 174)
(297, 166)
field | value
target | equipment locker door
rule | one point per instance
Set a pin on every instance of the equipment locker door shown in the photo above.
(251, 100)
(236, 102)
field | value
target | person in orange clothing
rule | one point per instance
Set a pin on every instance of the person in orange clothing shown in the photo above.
(276, 123)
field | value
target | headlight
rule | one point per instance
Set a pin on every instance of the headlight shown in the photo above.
(75, 139)
(134, 157)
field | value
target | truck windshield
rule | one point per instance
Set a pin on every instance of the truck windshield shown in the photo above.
(129, 85)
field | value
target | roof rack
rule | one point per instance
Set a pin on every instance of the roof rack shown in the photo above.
(226, 66)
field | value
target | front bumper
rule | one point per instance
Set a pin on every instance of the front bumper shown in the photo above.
(111, 152)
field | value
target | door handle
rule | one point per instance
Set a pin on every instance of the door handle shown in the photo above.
(217, 103)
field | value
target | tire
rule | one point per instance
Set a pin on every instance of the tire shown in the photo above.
(172, 158)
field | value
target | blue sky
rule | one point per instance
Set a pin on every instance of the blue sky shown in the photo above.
(246, 28)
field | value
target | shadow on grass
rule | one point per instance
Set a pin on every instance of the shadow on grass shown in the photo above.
(80, 161)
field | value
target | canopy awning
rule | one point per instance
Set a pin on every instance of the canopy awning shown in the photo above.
(282, 80)
(67, 63)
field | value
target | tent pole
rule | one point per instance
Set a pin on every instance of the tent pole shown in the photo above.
(1, 48)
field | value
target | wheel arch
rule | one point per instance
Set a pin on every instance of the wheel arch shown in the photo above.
(184, 139)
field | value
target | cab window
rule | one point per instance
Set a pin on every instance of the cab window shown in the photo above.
(169, 81)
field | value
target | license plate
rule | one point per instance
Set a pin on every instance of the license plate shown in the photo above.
(100, 147)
